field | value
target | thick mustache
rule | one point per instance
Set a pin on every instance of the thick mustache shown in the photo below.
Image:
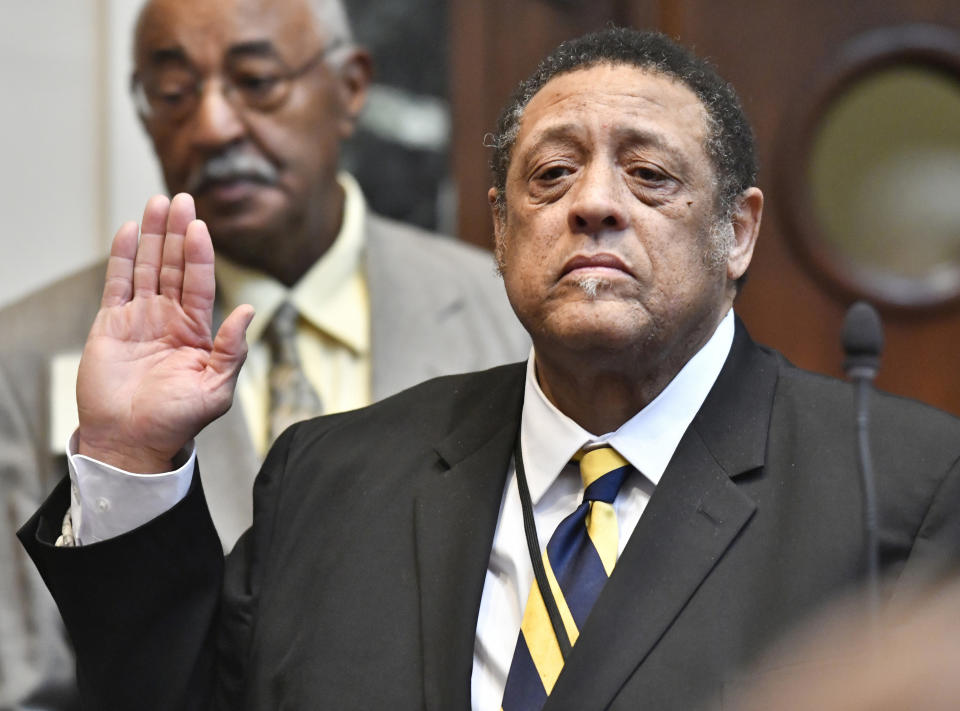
(233, 165)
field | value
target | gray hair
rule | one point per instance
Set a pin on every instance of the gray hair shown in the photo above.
(331, 16)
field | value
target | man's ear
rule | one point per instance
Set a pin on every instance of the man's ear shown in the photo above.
(353, 78)
(496, 211)
(746, 226)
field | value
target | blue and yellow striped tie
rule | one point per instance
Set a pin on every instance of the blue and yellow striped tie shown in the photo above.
(579, 558)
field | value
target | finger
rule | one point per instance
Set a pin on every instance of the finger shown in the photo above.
(146, 270)
(182, 212)
(227, 356)
(230, 345)
(118, 284)
(198, 280)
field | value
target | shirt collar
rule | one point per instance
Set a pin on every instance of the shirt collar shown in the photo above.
(549, 438)
(320, 292)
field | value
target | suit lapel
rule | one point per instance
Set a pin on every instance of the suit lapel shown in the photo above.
(407, 346)
(691, 520)
(456, 512)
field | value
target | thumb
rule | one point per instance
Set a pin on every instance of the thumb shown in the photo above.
(230, 345)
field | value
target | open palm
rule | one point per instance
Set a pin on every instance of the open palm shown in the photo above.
(152, 374)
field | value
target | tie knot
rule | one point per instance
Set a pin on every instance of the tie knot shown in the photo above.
(603, 471)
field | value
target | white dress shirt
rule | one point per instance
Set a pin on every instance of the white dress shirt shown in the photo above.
(107, 502)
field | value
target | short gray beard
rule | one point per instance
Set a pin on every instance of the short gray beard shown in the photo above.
(591, 285)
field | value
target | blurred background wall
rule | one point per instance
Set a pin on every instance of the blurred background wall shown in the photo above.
(856, 108)
(76, 164)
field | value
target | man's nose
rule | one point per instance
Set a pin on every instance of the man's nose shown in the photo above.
(216, 121)
(598, 201)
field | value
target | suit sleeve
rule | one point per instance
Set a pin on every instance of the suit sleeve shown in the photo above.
(141, 609)
(153, 621)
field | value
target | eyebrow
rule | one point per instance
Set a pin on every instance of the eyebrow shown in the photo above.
(652, 140)
(168, 55)
(176, 54)
(259, 48)
(559, 133)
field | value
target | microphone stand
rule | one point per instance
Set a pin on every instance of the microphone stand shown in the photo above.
(863, 342)
(864, 385)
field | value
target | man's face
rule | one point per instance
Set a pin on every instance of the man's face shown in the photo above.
(605, 240)
(257, 175)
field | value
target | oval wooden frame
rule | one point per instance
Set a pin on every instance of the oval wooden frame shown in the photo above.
(932, 46)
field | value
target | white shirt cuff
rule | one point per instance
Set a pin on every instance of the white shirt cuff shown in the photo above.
(106, 502)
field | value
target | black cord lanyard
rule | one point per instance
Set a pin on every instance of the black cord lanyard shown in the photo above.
(533, 546)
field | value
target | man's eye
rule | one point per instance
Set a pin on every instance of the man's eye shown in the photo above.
(648, 174)
(554, 172)
(172, 98)
(169, 95)
(256, 84)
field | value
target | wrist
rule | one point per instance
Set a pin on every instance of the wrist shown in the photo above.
(133, 460)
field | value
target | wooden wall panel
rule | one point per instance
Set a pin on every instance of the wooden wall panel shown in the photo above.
(772, 52)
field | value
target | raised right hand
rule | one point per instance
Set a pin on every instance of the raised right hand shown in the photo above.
(152, 376)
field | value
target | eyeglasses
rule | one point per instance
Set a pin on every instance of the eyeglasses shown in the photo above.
(258, 81)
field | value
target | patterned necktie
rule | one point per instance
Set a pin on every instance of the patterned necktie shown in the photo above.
(292, 397)
(578, 560)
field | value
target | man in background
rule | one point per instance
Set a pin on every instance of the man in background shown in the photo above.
(246, 103)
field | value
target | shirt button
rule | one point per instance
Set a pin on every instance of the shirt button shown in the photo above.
(103, 504)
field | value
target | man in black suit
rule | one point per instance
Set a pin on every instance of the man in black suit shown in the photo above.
(387, 565)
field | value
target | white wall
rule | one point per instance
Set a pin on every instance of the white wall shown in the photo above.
(75, 163)
(132, 173)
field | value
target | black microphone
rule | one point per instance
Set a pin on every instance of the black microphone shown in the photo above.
(862, 341)
(862, 344)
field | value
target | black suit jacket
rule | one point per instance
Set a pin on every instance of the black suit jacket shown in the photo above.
(359, 584)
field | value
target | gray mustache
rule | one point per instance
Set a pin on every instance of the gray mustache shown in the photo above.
(233, 165)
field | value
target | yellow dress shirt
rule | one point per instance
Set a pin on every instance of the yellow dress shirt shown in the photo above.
(333, 335)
